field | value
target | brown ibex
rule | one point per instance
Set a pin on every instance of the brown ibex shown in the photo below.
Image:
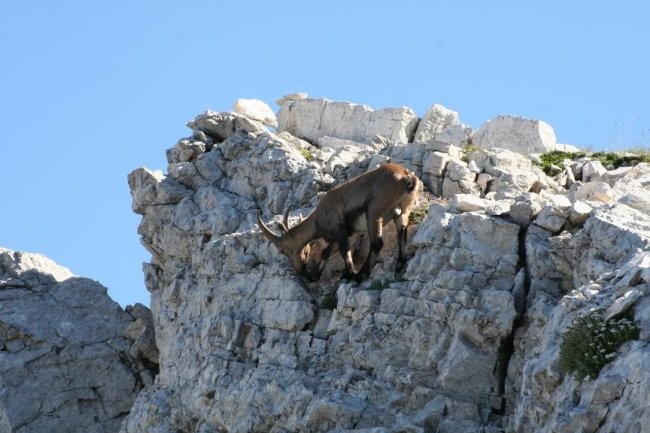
(362, 204)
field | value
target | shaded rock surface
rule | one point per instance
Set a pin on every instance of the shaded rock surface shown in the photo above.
(66, 361)
(466, 340)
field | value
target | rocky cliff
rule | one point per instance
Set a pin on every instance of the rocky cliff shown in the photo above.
(71, 360)
(502, 259)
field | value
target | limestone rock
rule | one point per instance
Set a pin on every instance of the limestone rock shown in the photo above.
(518, 134)
(525, 208)
(595, 191)
(553, 216)
(256, 110)
(66, 353)
(441, 124)
(314, 118)
(291, 97)
(638, 199)
(466, 339)
(579, 212)
(468, 203)
(220, 126)
(593, 170)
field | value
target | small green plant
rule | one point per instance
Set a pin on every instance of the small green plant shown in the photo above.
(328, 302)
(379, 285)
(306, 154)
(613, 160)
(418, 214)
(552, 162)
(591, 342)
(469, 148)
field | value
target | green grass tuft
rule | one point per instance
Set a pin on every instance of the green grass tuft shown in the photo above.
(379, 285)
(306, 154)
(552, 162)
(420, 212)
(328, 302)
(591, 342)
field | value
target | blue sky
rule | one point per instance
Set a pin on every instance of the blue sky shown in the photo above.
(90, 91)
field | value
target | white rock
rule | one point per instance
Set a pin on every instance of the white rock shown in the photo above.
(595, 191)
(468, 203)
(482, 180)
(570, 148)
(552, 218)
(435, 163)
(291, 97)
(524, 209)
(314, 118)
(622, 304)
(256, 110)
(593, 170)
(441, 124)
(339, 144)
(638, 199)
(579, 212)
(612, 176)
(518, 134)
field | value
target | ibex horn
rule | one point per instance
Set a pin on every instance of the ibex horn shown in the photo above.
(265, 230)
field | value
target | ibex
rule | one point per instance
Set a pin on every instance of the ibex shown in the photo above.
(362, 204)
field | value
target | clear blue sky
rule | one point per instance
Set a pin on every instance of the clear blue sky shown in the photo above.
(92, 90)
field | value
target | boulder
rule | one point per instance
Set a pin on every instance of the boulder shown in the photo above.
(256, 110)
(518, 134)
(441, 124)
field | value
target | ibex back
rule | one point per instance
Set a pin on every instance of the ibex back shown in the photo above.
(363, 204)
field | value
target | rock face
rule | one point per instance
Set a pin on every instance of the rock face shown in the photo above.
(467, 340)
(311, 119)
(67, 363)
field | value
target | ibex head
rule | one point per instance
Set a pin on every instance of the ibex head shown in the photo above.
(288, 243)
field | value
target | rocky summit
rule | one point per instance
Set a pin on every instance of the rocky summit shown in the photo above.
(504, 262)
(502, 259)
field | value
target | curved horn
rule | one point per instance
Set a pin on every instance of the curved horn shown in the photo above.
(265, 230)
(284, 225)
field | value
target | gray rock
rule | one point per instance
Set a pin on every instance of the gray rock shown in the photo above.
(524, 209)
(68, 357)
(473, 325)
(552, 218)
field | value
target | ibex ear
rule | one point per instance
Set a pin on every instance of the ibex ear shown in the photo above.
(266, 231)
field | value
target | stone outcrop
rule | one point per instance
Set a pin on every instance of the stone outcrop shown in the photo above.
(71, 359)
(466, 340)
(515, 133)
(256, 110)
(311, 119)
